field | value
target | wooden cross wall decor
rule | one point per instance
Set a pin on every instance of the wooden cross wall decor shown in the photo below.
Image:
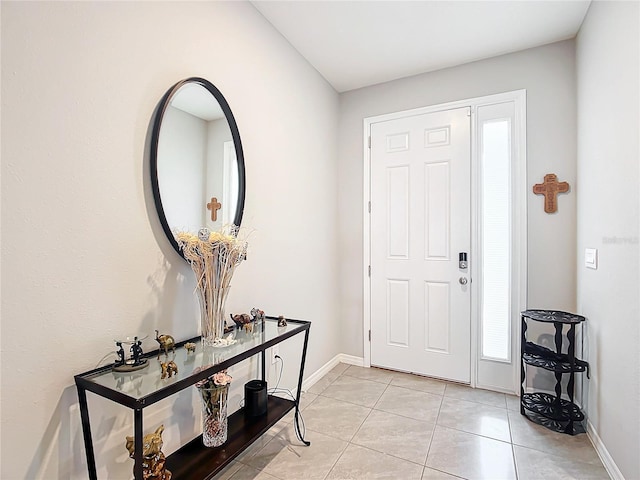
(214, 206)
(550, 188)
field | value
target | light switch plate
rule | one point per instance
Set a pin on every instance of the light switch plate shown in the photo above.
(591, 258)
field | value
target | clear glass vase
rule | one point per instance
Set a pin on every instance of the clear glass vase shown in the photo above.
(212, 314)
(214, 415)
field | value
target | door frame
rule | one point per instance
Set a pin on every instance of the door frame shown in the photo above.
(519, 230)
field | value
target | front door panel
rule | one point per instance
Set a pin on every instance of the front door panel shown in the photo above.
(420, 221)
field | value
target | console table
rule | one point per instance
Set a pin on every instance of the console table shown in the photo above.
(548, 410)
(137, 390)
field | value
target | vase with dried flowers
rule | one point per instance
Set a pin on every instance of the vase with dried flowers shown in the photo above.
(214, 392)
(213, 257)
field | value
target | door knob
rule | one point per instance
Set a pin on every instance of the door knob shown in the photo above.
(462, 280)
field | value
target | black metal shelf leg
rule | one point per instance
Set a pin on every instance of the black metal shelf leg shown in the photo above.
(86, 433)
(296, 421)
(137, 429)
(571, 336)
(523, 343)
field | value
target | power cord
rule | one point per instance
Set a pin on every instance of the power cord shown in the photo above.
(298, 425)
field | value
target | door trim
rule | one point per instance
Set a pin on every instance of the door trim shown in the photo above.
(519, 231)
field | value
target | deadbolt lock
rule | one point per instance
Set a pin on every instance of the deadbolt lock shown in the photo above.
(462, 260)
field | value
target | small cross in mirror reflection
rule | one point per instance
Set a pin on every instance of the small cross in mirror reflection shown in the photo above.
(214, 206)
(550, 188)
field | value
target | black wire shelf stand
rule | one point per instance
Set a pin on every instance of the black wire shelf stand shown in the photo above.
(552, 411)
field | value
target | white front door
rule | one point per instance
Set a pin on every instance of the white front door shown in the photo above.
(420, 223)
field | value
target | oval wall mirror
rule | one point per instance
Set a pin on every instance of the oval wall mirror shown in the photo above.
(197, 164)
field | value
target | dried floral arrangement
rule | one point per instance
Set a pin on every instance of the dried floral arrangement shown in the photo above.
(214, 392)
(219, 379)
(213, 257)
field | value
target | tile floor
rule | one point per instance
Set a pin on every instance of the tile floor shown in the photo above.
(368, 423)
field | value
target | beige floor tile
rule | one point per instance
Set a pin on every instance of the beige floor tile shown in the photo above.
(513, 402)
(389, 418)
(536, 465)
(410, 403)
(359, 463)
(431, 474)
(259, 444)
(228, 471)
(250, 473)
(355, 390)
(417, 382)
(373, 374)
(399, 436)
(528, 434)
(463, 392)
(286, 458)
(470, 456)
(340, 368)
(475, 418)
(320, 385)
(327, 379)
(305, 400)
(334, 417)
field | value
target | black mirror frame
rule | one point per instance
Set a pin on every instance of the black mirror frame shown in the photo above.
(155, 136)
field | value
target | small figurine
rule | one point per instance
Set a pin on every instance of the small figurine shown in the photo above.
(153, 459)
(135, 361)
(168, 368)
(257, 314)
(136, 351)
(166, 343)
(282, 322)
(120, 353)
(191, 347)
(241, 319)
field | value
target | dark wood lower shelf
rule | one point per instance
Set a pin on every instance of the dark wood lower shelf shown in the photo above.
(195, 461)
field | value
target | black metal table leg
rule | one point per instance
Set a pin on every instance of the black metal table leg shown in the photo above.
(86, 433)
(137, 429)
(296, 421)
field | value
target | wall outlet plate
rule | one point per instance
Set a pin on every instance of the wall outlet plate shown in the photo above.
(275, 351)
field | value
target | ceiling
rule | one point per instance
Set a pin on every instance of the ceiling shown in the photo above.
(354, 44)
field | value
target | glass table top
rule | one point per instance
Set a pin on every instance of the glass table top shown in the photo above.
(141, 383)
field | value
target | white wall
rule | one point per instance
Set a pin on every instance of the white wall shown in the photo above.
(608, 56)
(218, 133)
(182, 147)
(84, 259)
(548, 75)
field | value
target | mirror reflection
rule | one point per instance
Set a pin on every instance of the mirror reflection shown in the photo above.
(197, 164)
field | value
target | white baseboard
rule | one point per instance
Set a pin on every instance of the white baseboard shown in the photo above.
(609, 465)
(327, 367)
(351, 360)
